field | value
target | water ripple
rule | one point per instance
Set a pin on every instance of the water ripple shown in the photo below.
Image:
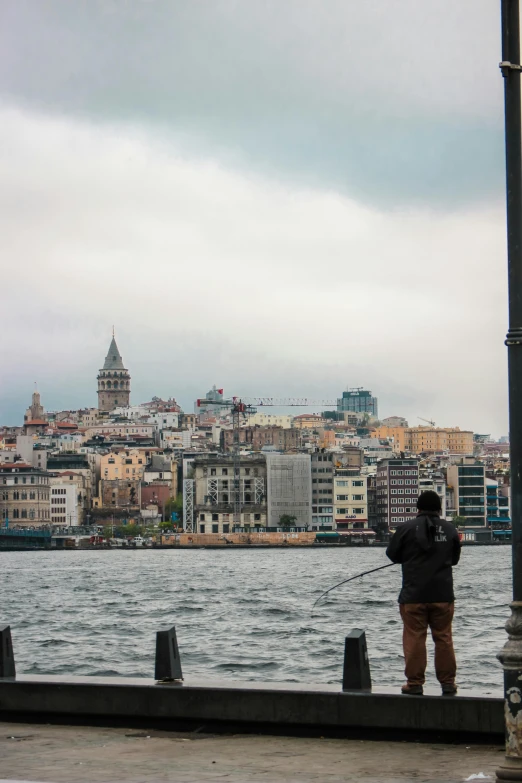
(243, 614)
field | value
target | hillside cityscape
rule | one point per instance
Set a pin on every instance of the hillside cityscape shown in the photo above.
(229, 468)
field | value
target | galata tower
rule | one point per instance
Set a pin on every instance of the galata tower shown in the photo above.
(113, 381)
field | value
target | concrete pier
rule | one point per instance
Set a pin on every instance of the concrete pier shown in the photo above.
(228, 706)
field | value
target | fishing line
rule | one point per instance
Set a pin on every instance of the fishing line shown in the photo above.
(364, 573)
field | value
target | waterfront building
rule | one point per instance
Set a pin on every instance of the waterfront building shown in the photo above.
(350, 499)
(358, 401)
(64, 501)
(325, 465)
(468, 482)
(113, 381)
(78, 496)
(397, 483)
(371, 492)
(322, 471)
(24, 495)
(289, 489)
(213, 477)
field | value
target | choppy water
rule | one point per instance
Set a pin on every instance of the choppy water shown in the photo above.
(243, 614)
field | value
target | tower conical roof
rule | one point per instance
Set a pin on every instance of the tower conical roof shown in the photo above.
(113, 360)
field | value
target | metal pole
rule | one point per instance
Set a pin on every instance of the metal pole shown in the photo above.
(511, 654)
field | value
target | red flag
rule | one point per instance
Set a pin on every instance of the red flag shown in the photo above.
(220, 391)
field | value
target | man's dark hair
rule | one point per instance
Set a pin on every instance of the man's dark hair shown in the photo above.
(429, 501)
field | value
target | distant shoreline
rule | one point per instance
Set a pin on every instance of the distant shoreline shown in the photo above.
(231, 547)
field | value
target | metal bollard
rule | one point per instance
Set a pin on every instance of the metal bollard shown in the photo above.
(7, 662)
(168, 662)
(356, 670)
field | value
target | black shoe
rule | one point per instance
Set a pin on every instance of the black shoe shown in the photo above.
(412, 690)
(449, 689)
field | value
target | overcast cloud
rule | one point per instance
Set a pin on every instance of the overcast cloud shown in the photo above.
(279, 198)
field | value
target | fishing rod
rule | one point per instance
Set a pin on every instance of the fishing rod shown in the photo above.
(351, 578)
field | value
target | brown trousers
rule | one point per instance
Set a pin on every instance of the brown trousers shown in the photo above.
(416, 619)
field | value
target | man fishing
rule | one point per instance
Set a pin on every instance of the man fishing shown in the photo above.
(427, 547)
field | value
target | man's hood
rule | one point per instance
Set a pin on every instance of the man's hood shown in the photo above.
(426, 528)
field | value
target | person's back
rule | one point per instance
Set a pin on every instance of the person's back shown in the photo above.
(427, 547)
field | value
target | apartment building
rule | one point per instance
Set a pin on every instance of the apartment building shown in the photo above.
(24, 495)
(426, 440)
(397, 483)
(322, 473)
(64, 502)
(468, 481)
(289, 489)
(213, 478)
(350, 500)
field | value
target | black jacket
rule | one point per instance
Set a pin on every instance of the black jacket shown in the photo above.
(427, 547)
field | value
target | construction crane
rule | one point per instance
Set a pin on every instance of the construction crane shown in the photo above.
(245, 406)
(428, 421)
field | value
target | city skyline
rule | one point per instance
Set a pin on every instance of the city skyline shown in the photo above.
(279, 221)
(114, 359)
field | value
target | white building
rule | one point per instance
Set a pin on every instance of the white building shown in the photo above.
(63, 498)
(164, 421)
(132, 412)
(351, 501)
(289, 489)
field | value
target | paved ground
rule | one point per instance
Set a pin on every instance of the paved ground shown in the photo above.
(66, 754)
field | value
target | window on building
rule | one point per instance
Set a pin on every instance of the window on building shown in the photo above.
(357, 497)
(212, 471)
(215, 517)
(202, 517)
(226, 528)
(202, 528)
(341, 497)
(357, 483)
(358, 510)
(215, 528)
(224, 472)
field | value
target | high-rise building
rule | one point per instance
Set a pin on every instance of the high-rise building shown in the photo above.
(468, 481)
(113, 381)
(397, 491)
(358, 401)
(289, 489)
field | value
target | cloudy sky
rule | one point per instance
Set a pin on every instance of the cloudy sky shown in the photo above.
(281, 198)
